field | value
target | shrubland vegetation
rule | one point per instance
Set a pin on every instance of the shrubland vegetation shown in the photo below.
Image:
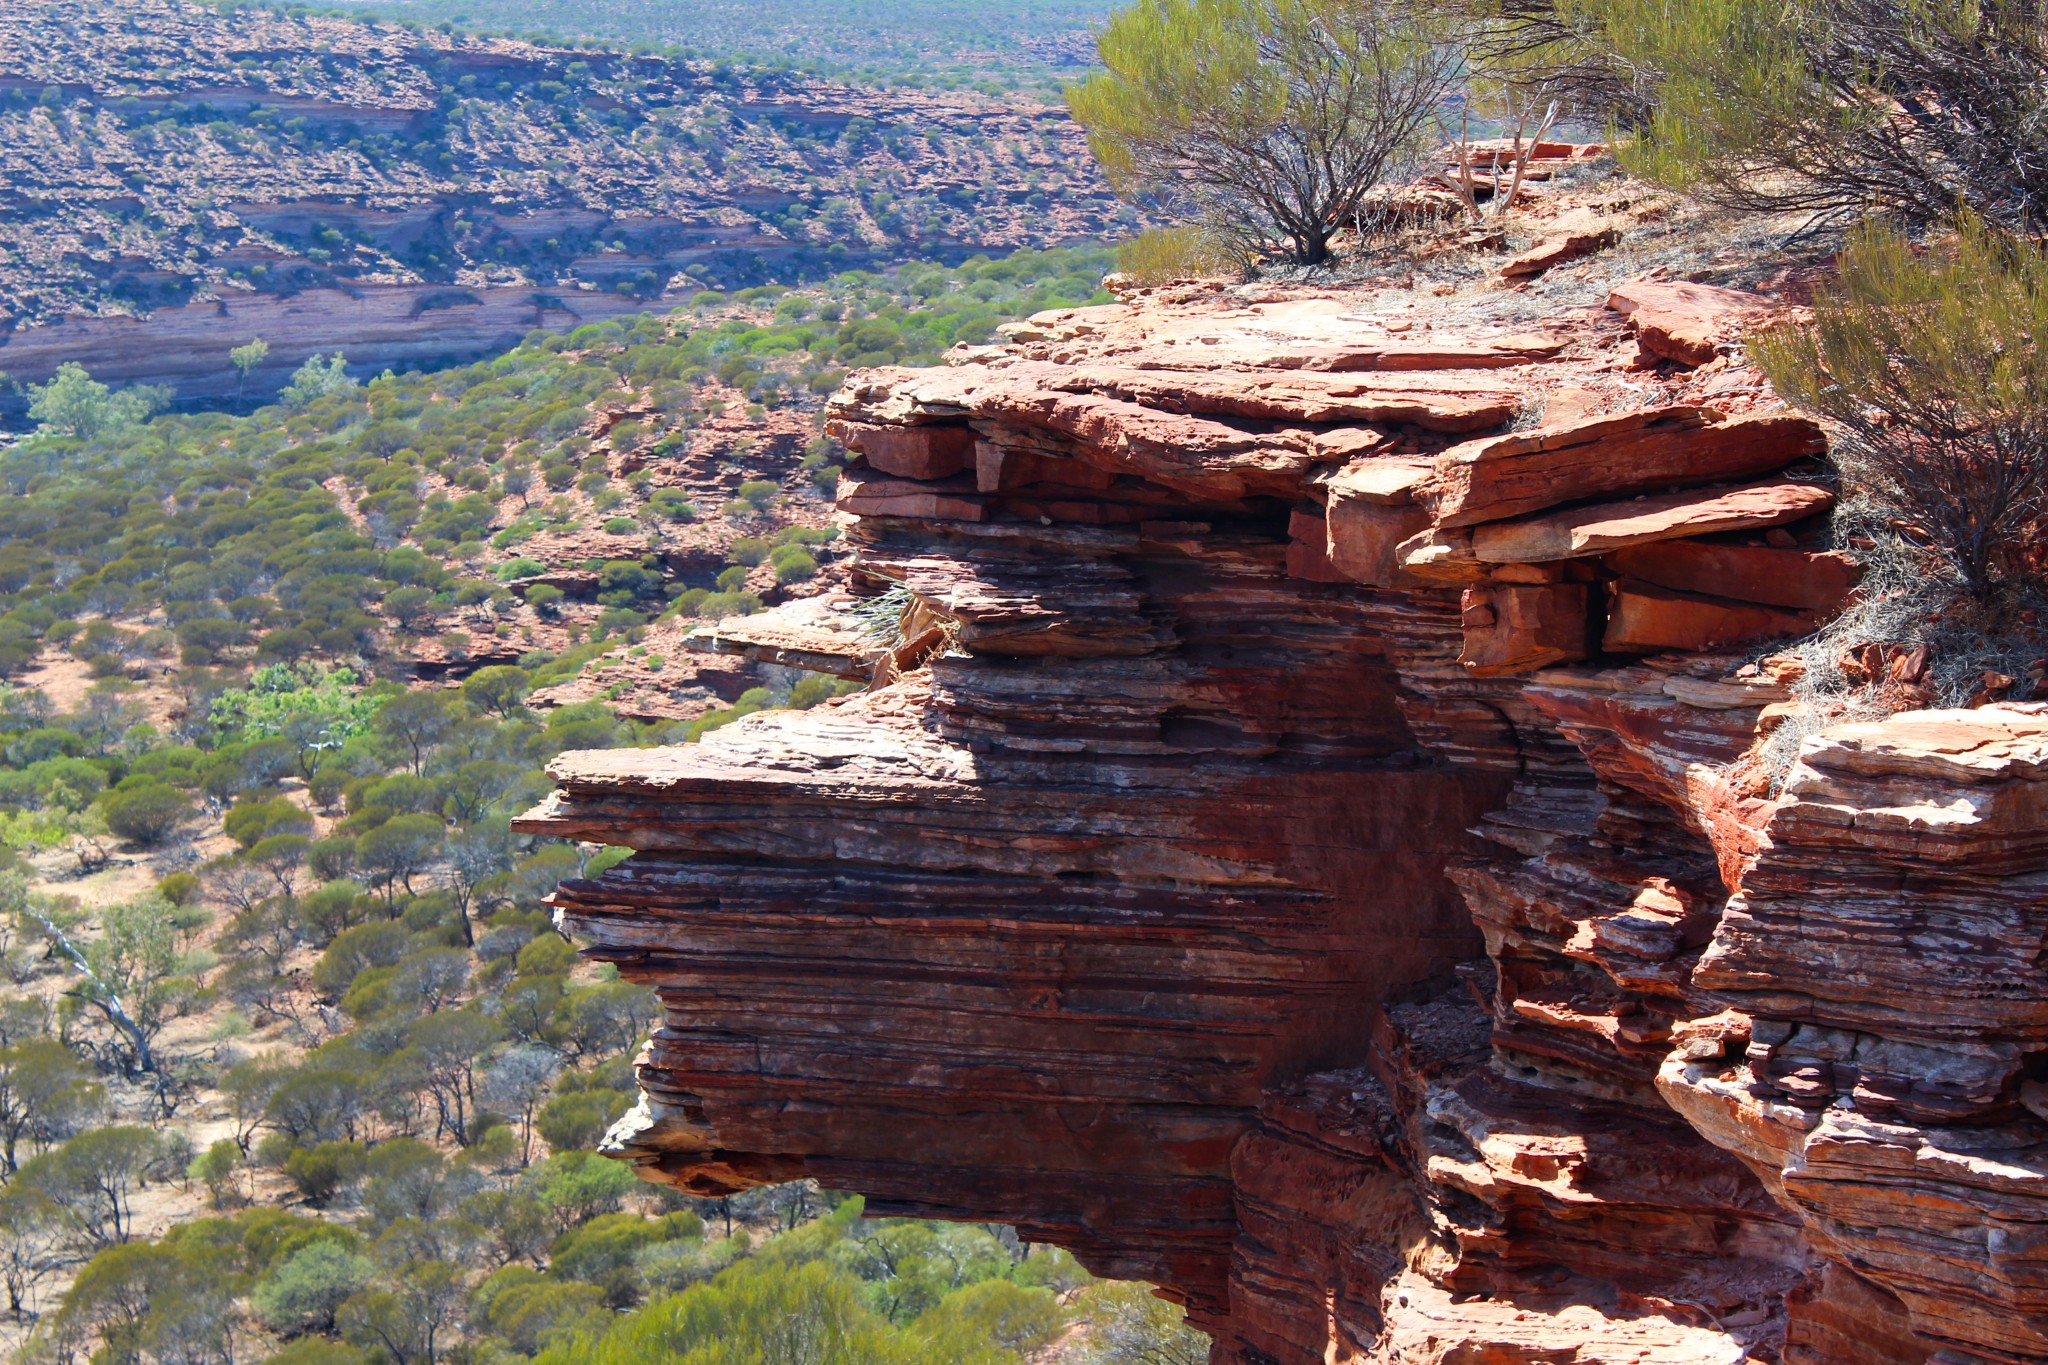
(1265, 122)
(182, 152)
(993, 46)
(412, 505)
(1911, 108)
(292, 1063)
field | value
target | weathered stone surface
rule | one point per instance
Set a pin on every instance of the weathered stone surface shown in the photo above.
(1644, 619)
(1748, 573)
(871, 494)
(1516, 628)
(1568, 240)
(1308, 549)
(1674, 516)
(1371, 510)
(1644, 451)
(1441, 556)
(1948, 813)
(1327, 334)
(928, 452)
(1193, 910)
(818, 634)
(1686, 322)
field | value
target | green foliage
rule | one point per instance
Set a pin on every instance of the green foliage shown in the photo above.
(317, 379)
(1936, 367)
(1268, 121)
(147, 813)
(793, 564)
(605, 1250)
(93, 1179)
(673, 503)
(215, 1168)
(579, 1186)
(315, 710)
(1798, 106)
(1000, 1312)
(303, 1292)
(575, 1120)
(1163, 255)
(74, 404)
(498, 689)
(747, 1314)
(248, 357)
(1133, 1327)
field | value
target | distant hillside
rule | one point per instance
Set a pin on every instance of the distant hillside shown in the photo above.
(931, 42)
(419, 198)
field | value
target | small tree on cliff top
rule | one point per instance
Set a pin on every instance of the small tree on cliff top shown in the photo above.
(1266, 120)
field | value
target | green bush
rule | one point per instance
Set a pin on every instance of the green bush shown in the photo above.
(1162, 255)
(1777, 106)
(148, 813)
(673, 503)
(793, 564)
(545, 598)
(1268, 123)
(324, 1170)
(304, 1291)
(1936, 368)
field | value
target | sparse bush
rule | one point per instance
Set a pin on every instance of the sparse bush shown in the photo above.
(793, 564)
(674, 504)
(1265, 120)
(1936, 370)
(1837, 105)
(1132, 1327)
(1175, 253)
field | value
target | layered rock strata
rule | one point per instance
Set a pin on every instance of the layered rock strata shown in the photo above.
(1304, 846)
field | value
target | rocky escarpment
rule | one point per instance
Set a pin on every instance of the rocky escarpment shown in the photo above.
(175, 181)
(1306, 846)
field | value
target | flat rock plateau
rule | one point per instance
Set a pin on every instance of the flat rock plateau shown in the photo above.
(1306, 846)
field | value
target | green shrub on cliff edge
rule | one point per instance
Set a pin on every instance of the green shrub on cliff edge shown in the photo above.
(1267, 121)
(1172, 253)
(1934, 368)
(1908, 106)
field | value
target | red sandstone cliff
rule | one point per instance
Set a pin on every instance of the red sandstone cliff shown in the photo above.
(1301, 850)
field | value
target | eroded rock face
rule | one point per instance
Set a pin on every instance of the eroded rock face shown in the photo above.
(1298, 850)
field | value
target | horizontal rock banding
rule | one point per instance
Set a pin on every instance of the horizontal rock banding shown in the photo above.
(1140, 905)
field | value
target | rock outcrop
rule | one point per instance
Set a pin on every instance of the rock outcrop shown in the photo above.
(1305, 847)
